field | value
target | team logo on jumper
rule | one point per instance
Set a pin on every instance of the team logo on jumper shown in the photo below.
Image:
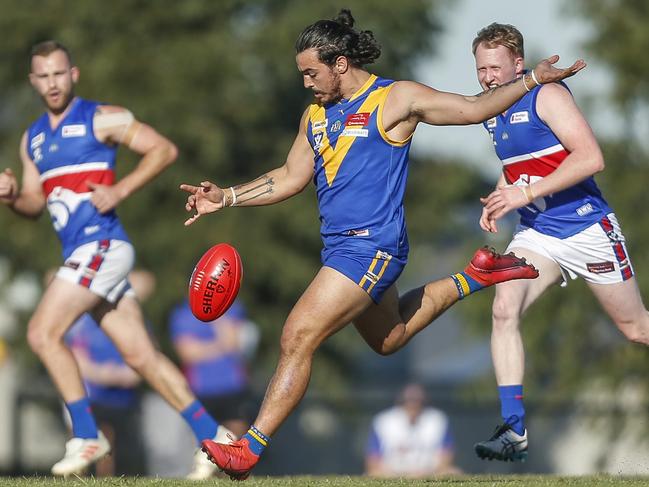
(336, 126)
(37, 140)
(519, 117)
(78, 130)
(600, 267)
(320, 125)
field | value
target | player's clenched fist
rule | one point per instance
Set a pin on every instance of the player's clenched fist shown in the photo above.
(206, 198)
(8, 186)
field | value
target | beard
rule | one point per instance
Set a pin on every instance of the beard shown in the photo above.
(59, 105)
(333, 95)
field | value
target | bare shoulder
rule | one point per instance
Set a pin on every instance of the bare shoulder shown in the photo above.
(553, 91)
(554, 99)
(410, 88)
(411, 95)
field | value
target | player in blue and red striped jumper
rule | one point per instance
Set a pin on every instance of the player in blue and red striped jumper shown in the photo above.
(68, 158)
(566, 230)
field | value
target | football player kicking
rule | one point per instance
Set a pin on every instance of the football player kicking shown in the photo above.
(354, 142)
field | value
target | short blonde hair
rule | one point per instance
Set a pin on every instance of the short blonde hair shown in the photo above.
(496, 34)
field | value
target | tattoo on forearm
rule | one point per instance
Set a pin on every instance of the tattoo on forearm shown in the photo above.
(264, 186)
(491, 90)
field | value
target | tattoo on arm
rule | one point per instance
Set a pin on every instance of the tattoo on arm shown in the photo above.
(264, 185)
(491, 90)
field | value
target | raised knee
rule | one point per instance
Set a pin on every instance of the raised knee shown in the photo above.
(635, 332)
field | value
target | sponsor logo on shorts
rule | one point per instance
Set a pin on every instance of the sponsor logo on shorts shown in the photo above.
(519, 117)
(78, 130)
(370, 276)
(71, 264)
(613, 236)
(383, 255)
(600, 267)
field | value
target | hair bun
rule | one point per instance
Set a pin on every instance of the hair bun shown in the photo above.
(344, 17)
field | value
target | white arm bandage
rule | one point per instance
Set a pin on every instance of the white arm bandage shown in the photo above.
(122, 121)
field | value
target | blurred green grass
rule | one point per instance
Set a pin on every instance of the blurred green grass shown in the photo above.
(341, 481)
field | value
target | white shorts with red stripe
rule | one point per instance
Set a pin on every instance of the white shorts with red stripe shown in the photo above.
(597, 254)
(102, 267)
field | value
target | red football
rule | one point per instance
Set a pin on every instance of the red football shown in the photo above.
(215, 282)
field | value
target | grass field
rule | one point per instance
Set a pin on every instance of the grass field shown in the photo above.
(339, 481)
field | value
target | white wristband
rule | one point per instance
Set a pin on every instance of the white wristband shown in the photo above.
(525, 84)
(234, 197)
(534, 78)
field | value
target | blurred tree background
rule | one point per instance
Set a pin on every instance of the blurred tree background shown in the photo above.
(219, 78)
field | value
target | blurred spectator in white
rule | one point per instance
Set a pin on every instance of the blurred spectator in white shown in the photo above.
(112, 388)
(410, 439)
(214, 357)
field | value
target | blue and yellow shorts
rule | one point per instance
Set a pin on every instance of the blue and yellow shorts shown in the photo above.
(374, 270)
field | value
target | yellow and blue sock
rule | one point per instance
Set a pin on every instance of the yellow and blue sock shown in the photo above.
(257, 441)
(512, 409)
(200, 421)
(465, 284)
(83, 422)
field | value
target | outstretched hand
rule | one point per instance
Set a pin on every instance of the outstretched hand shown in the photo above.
(203, 199)
(546, 73)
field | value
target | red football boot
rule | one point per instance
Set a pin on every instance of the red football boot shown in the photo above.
(489, 267)
(234, 459)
